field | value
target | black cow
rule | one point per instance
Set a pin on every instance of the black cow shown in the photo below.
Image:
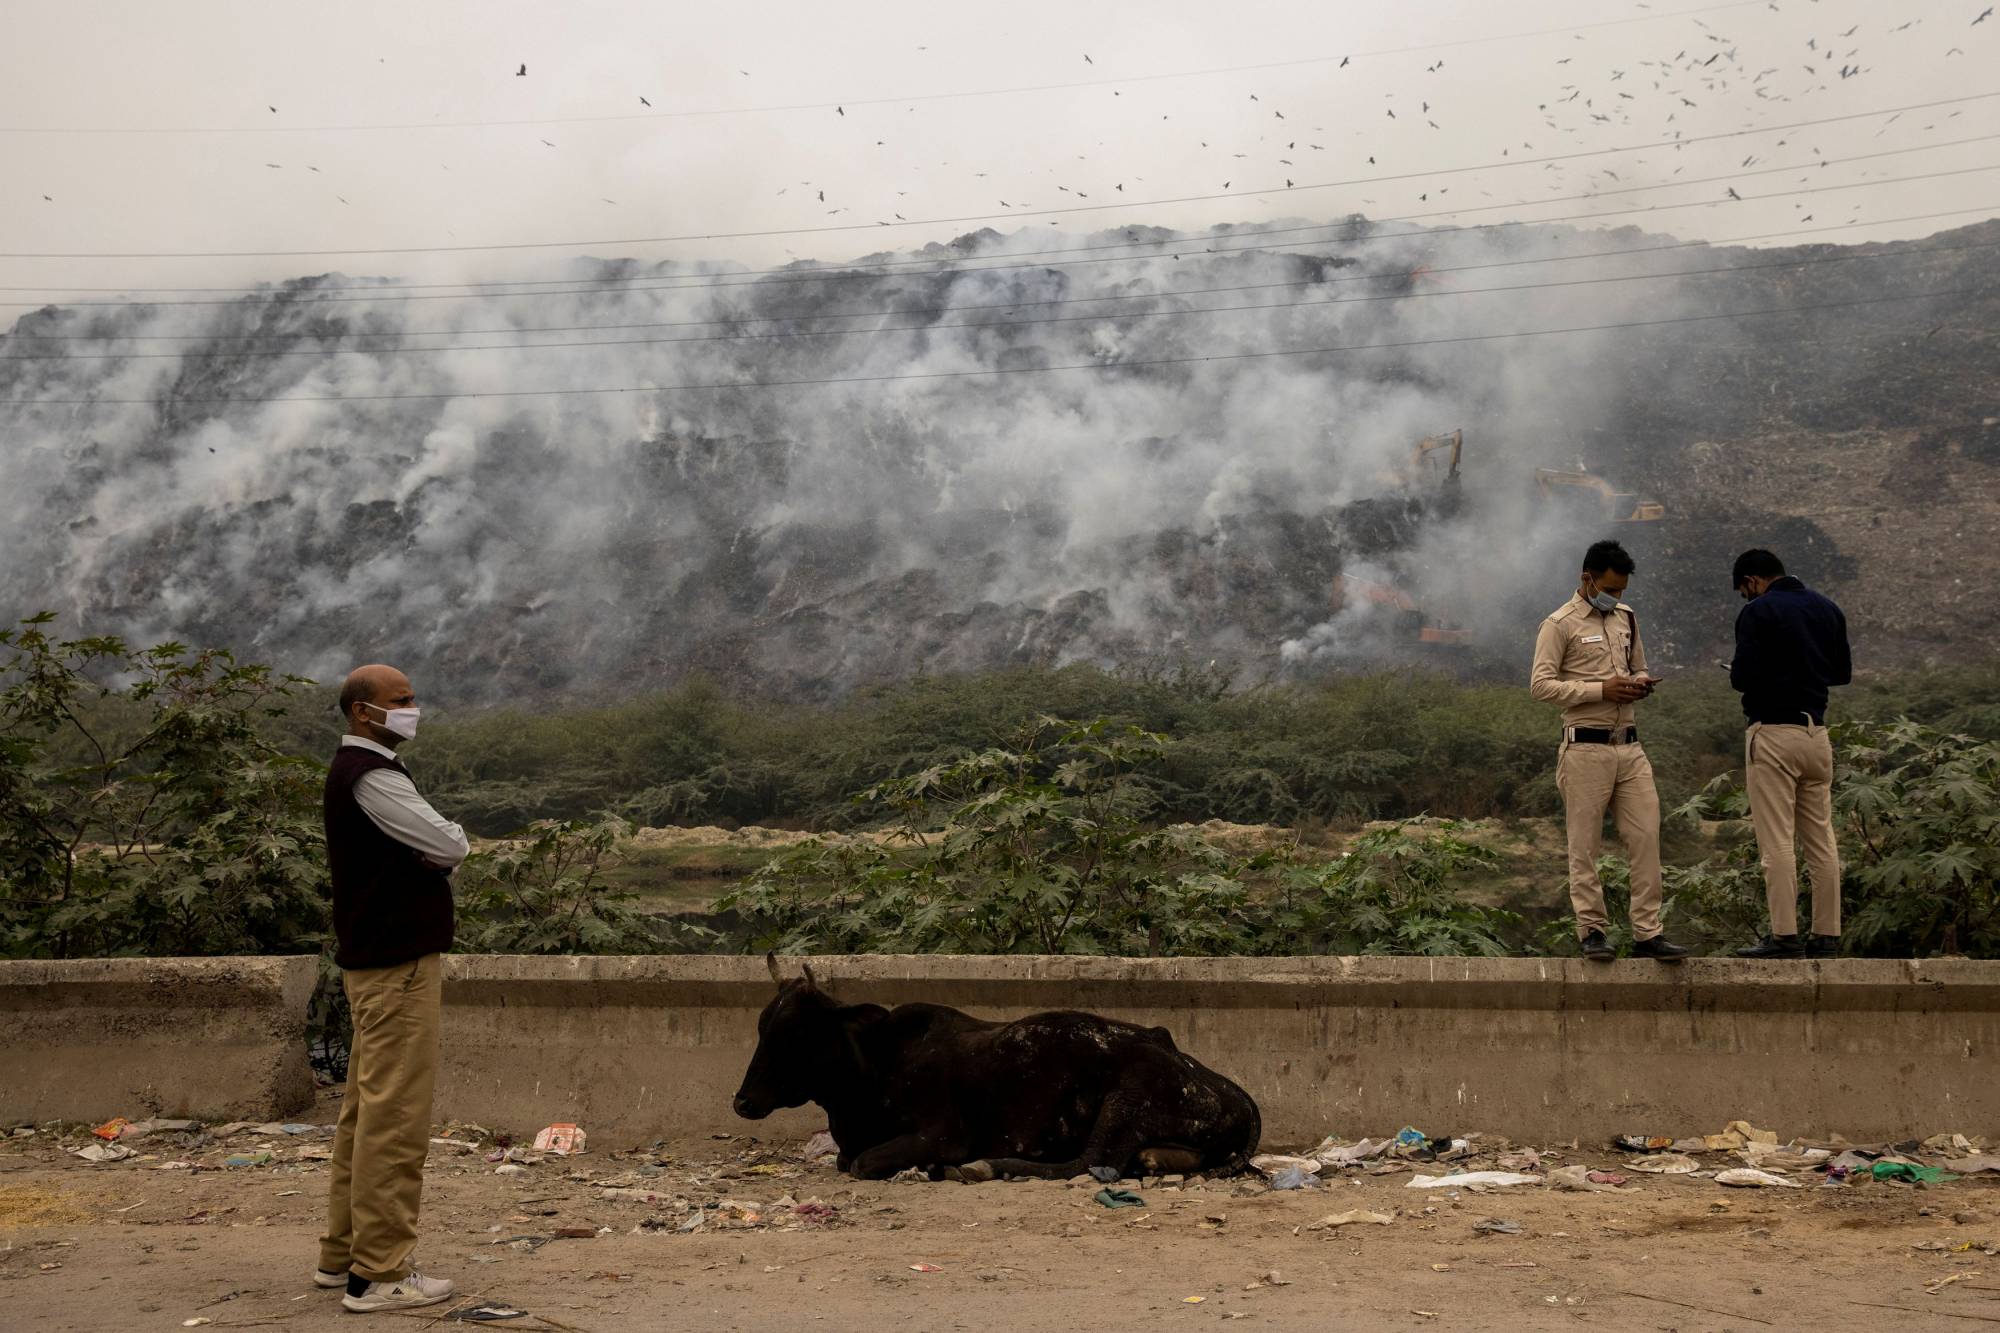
(1050, 1095)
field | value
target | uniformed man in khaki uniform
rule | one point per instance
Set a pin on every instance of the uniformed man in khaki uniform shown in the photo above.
(1589, 659)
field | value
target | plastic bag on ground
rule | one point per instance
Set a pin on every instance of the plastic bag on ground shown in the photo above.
(1294, 1178)
(1270, 1163)
(1666, 1163)
(561, 1140)
(1495, 1178)
(1352, 1217)
(1744, 1177)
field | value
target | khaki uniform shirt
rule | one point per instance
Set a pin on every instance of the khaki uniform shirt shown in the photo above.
(1577, 649)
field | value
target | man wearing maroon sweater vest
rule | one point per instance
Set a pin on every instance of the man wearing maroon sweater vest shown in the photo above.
(392, 857)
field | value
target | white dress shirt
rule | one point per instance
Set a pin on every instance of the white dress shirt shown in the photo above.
(391, 800)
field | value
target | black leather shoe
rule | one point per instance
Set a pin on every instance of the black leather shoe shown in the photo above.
(1774, 946)
(1823, 946)
(1660, 947)
(1596, 948)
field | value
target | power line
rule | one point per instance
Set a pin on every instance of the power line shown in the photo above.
(660, 282)
(988, 217)
(663, 114)
(1005, 305)
(1018, 323)
(1429, 233)
(1004, 370)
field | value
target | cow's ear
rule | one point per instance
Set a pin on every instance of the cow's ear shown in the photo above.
(771, 961)
(812, 982)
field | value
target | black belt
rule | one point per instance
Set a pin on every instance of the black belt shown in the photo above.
(1603, 736)
(1798, 719)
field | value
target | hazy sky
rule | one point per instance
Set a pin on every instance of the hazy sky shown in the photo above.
(586, 165)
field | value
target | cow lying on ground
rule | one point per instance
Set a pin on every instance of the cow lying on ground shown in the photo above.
(1050, 1095)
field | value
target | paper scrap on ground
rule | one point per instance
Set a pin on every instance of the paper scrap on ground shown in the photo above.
(1473, 1178)
(1666, 1163)
(1352, 1217)
(1745, 1177)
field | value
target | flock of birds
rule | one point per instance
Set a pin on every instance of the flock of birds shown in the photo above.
(1699, 73)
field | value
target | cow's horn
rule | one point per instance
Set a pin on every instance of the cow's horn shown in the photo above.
(811, 980)
(771, 961)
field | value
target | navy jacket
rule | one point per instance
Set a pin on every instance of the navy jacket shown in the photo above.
(1791, 647)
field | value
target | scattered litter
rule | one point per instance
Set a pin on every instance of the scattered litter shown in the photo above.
(1527, 1159)
(1193, 1300)
(629, 1195)
(1475, 1178)
(1117, 1198)
(1666, 1164)
(1104, 1175)
(111, 1129)
(1583, 1178)
(1495, 1226)
(485, 1314)
(1967, 1166)
(1944, 1143)
(1294, 1178)
(142, 1128)
(250, 1159)
(510, 1169)
(917, 1175)
(1933, 1288)
(560, 1140)
(818, 1146)
(1745, 1177)
(1270, 1279)
(925, 1268)
(1408, 1137)
(1641, 1143)
(196, 1322)
(1351, 1217)
(1737, 1134)
(1274, 1164)
(1925, 1175)
(103, 1152)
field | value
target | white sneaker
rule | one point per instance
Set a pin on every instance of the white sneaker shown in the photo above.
(410, 1291)
(326, 1277)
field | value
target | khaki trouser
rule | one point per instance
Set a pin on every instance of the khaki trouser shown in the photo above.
(385, 1119)
(1789, 773)
(1620, 777)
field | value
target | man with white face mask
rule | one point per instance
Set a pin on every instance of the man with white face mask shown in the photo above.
(391, 856)
(1590, 661)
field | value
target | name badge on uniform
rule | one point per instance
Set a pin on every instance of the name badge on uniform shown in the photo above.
(1591, 638)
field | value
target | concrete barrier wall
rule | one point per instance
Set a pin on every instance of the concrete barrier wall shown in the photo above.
(654, 1047)
(1537, 1050)
(216, 1038)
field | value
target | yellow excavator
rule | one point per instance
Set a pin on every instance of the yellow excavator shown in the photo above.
(1419, 471)
(1619, 506)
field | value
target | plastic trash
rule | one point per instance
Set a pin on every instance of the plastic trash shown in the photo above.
(560, 1140)
(1642, 1142)
(1604, 1178)
(1666, 1164)
(1408, 1137)
(1117, 1198)
(250, 1159)
(925, 1268)
(1293, 1178)
(1351, 1154)
(112, 1128)
(1745, 1177)
(103, 1152)
(485, 1314)
(1967, 1166)
(1583, 1178)
(1104, 1175)
(1270, 1164)
(818, 1146)
(1495, 1226)
(1494, 1178)
(1352, 1217)
(1916, 1175)
(510, 1169)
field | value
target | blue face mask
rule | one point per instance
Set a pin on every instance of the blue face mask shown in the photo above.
(1604, 601)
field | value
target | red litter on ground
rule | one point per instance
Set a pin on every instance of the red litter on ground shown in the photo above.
(925, 1268)
(561, 1140)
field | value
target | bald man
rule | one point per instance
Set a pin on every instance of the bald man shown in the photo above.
(392, 858)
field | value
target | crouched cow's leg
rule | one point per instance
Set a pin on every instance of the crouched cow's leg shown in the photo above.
(908, 1150)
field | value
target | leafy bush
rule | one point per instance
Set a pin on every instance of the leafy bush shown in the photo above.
(541, 893)
(1044, 846)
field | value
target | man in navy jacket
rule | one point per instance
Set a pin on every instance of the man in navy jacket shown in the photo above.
(1791, 648)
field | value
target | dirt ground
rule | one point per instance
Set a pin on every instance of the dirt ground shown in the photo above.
(141, 1244)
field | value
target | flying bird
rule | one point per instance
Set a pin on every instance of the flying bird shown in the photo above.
(822, 196)
(547, 142)
(1987, 13)
(521, 73)
(841, 109)
(273, 110)
(644, 102)
(1087, 60)
(1733, 195)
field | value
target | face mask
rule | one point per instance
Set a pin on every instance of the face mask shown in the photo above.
(398, 721)
(1604, 601)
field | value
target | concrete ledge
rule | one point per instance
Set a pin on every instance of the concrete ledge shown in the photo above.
(1535, 1049)
(216, 1038)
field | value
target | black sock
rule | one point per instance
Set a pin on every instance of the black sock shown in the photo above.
(356, 1284)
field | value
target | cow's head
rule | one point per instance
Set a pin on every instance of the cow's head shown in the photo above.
(802, 1043)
